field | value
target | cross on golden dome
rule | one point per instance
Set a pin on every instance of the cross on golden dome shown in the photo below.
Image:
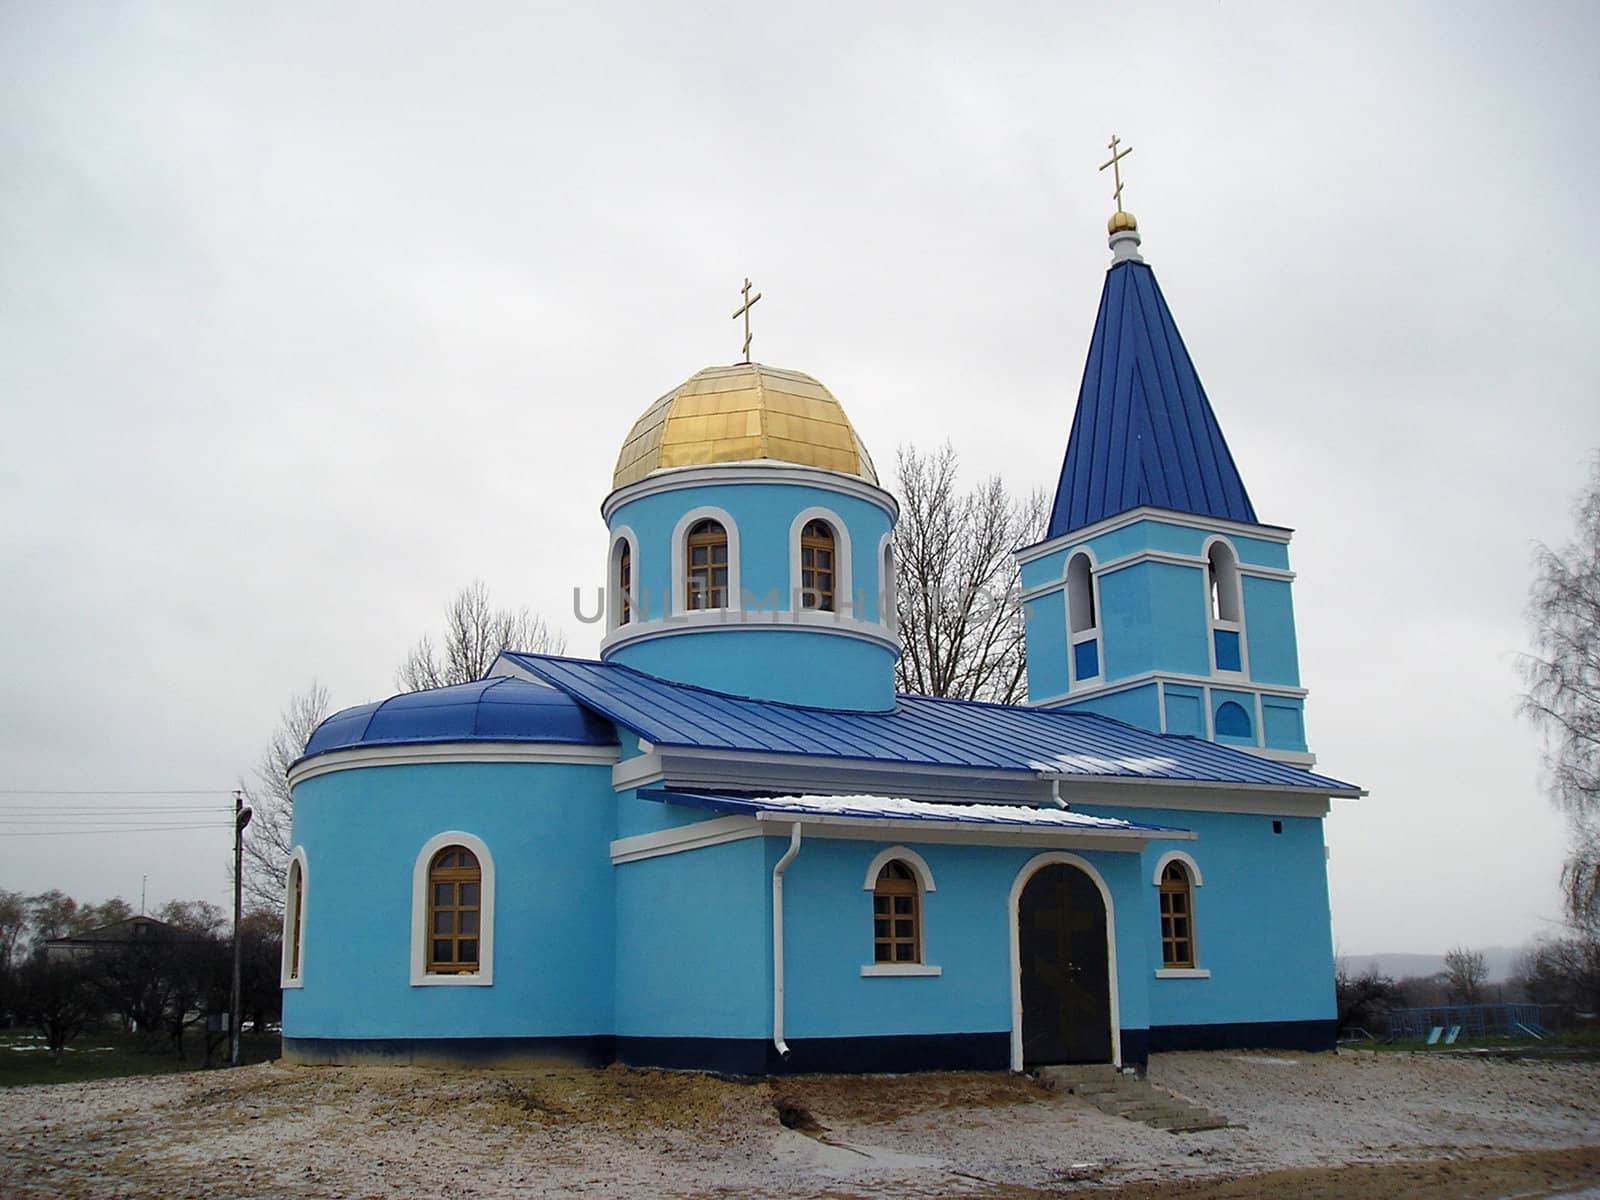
(744, 311)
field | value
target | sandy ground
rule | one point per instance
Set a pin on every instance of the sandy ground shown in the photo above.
(1410, 1125)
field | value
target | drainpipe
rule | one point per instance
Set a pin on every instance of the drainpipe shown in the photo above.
(777, 939)
(1055, 794)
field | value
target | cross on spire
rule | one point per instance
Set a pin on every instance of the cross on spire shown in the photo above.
(1115, 163)
(744, 311)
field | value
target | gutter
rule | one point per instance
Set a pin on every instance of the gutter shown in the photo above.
(777, 940)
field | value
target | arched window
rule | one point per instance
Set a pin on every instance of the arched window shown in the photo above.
(294, 908)
(817, 566)
(896, 915)
(454, 906)
(706, 559)
(1226, 607)
(888, 590)
(1083, 622)
(1177, 917)
(1222, 579)
(624, 596)
(1080, 595)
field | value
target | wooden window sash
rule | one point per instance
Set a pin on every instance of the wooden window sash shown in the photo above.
(896, 903)
(454, 878)
(294, 927)
(1177, 918)
(816, 578)
(703, 590)
(625, 584)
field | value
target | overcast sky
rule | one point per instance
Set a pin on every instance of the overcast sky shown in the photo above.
(308, 319)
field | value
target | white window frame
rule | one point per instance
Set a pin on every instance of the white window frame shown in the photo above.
(1091, 634)
(623, 535)
(1215, 622)
(294, 925)
(1196, 882)
(888, 586)
(843, 580)
(484, 976)
(680, 564)
(924, 875)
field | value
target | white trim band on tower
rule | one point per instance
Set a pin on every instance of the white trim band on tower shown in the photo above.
(1066, 541)
(413, 754)
(808, 620)
(767, 471)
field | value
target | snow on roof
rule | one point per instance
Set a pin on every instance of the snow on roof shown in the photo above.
(898, 809)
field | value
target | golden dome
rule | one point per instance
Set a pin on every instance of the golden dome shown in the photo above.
(1121, 220)
(744, 413)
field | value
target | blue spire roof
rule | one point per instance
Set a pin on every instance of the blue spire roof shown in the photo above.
(1144, 432)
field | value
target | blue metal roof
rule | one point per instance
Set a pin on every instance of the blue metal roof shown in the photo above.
(1144, 432)
(920, 730)
(892, 808)
(491, 710)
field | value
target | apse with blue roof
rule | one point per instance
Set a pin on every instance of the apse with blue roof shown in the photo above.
(749, 544)
(1158, 596)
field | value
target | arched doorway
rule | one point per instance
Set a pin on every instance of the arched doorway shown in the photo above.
(1065, 977)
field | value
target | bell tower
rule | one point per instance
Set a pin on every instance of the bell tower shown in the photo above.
(1158, 596)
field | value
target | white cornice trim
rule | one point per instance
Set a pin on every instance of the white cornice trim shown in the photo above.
(1279, 804)
(412, 754)
(742, 770)
(1293, 758)
(808, 620)
(714, 832)
(1265, 533)
(1155, 556)
(1227, 684)
(738, 828)
(637, 772)
(767, 471)
(1119, 782)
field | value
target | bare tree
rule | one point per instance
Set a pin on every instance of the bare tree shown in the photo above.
(1363, 1000)
(475, 633)
(1465, 971)
(267, 838)
(959, 605)
(1563, 697)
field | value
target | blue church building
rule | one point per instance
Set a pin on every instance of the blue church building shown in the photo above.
(728, 844)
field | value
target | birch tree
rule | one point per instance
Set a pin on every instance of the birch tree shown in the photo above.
(1563, 697)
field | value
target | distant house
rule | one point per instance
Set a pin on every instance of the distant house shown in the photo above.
(119, 935)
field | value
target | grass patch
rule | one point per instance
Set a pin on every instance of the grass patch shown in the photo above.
(24, 1059)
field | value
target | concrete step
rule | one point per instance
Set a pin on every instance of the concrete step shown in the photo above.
(1130, 1097)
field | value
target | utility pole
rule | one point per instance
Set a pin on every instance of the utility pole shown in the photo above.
(241, 818)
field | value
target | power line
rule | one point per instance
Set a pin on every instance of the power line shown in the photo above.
(121, 829)
(108, 810)
(117, 792)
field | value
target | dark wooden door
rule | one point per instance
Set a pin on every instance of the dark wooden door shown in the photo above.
(1066, 975)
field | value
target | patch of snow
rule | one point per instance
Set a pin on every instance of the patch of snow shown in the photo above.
(929, 810)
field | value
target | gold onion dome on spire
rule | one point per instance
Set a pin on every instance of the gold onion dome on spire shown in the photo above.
(744, 413)
(1121, 221)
